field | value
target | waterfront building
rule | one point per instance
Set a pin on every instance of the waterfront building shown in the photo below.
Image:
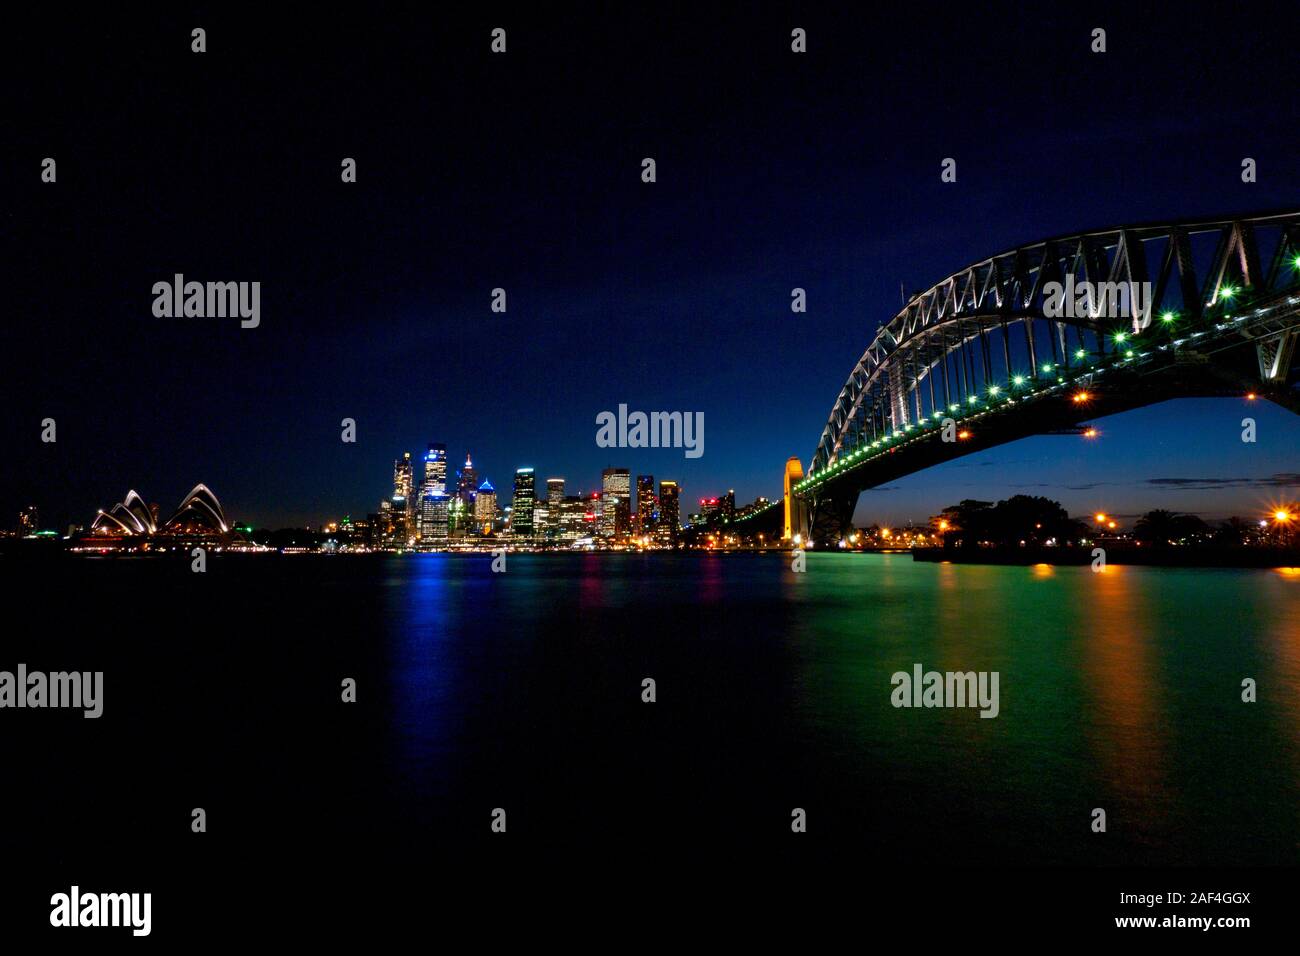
(667, 528)
(616, 503)
(435, 470)
(646, 505)
(522, 504)
(485, 508)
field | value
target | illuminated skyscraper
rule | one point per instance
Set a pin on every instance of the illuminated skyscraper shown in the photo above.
(434, 510)
(616, 503)
(403, 500)
(575, 517)
(29, 521)
(521, 513)
(402, 481)
(546, 513)
(645, 504)
(435, 470)
(555, 493)
(485, 507)
(467, 483)
(669, 513)
(709, 510)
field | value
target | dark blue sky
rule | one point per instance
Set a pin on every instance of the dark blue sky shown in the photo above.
(522, 171)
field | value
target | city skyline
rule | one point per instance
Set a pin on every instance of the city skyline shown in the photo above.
(1265, 499)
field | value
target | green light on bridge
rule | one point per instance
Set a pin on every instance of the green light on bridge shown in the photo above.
(1167, 317)
(1080, 354)
(1018, 380)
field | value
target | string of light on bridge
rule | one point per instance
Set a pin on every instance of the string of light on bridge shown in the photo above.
(1017, 390)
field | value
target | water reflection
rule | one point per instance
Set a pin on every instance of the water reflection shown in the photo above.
(1117, 689)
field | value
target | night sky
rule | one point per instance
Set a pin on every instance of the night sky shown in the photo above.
(522, 171)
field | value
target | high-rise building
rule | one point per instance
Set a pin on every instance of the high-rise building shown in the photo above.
(521, 505)
(434, 512)
(646, 506)
(616, 503)
(569, 518)
(555, 492)
(403, 503)
(403, 474)
(435, 470)
(467, 482)
(709, 510)
(485, 507)
(29, 521)
(546, 512)
(669, 513)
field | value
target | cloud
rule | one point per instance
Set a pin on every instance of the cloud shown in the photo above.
(1281, 480)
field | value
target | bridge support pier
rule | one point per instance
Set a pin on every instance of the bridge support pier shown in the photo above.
(832, 516)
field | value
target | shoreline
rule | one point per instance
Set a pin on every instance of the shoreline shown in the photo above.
(1176, 557)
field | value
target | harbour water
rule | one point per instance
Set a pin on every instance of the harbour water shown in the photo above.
(523, 691)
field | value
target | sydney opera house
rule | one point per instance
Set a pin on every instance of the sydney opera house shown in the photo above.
(199, 517)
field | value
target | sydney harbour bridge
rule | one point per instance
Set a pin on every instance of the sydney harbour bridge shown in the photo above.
(989, 355)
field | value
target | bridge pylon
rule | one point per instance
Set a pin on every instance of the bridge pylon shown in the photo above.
(796, 509)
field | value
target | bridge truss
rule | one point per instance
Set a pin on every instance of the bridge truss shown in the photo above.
(985, 335)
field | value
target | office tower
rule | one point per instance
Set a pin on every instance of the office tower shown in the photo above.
(434, 511)
(546, 511)
(709, 508)
(521, 514)
(29, 521)
(467, 483)
(727, 505)
(616, 503)
(485, 507)
(645, 504)
(568, 518)
(435, 470)
(403, 484)
(669, 514)
(458, 516)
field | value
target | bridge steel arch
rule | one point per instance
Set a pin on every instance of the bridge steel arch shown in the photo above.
(960, 329)
(983, 339)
